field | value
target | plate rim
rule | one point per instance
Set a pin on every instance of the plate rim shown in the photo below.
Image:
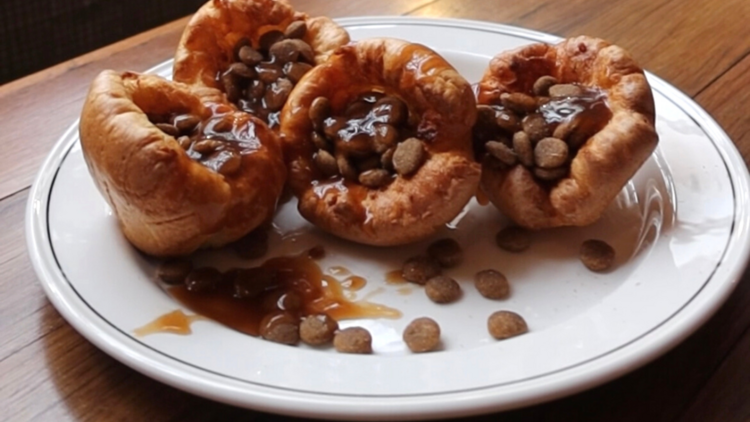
(308, 404)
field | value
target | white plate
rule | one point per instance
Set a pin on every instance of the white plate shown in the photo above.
(680, 228)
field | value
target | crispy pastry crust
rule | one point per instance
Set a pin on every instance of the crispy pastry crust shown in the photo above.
(207, 44)
(606, 161)
(442, 108)
(166, 203)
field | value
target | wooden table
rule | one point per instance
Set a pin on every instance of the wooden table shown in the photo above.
(49, 372)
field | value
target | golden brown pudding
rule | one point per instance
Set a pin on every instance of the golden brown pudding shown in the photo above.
(255, 51)
(180, 171)
(378, 142)
(561, 129)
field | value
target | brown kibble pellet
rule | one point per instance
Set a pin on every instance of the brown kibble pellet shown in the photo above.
(565, 90)
(167, 128)
(174, 271)
(206, 146)
(550, 175)
(295, 71)
(419, 269)
(306, 52)
(277, 93)
(374, 178)
(204, 279)
(268, 72)
(385, 137)
(422, 335)
(353, 340)
(393, 109)
(597, 255)
(242, 70)
(231, 87)
(318, 329)
(320, 141)
(442, 289)
(356, 146)
(249, 55)
(518, 102)
(513, 239)
(535, 126)
(492, 284)
(242, 42)
(550, 153)
(326, 163)
(447, 252)
(543, 84)
(280, 327)
(523, 148)
(286, 51)
(186, 122)
(296, 29)
(346, 168)
(502, 152)
(508, 121)
(506, 324)
(357, 109)
(409, 156)
(290, 301)
(255, 90)
(229, 163)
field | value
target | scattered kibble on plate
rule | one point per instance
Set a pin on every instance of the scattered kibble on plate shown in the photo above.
(280, 327)
(597, 255)
(419, 269)
(513, 239)
(318, 329)
(492, 284)
(506, 324)
(353, 340)
(442, 289)
(422, 335)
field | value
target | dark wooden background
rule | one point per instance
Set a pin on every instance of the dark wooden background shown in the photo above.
(49, 372)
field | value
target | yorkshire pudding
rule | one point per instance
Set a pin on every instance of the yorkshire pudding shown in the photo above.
(588, 127)
(179, 171)
(378, 142)
(254, 51)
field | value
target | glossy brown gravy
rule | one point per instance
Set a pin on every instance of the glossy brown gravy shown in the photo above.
(176, 322)
(395, 277)
(299, 287)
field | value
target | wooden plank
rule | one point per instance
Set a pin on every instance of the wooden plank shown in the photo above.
(21, 294)
(689, 43)
(724, 396)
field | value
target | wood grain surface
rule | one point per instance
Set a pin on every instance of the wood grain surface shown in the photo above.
(50, 372)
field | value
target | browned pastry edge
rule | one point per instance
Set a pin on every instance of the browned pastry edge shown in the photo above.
(606, 161)
(166, 203)
(207, 44)
(442, 108)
